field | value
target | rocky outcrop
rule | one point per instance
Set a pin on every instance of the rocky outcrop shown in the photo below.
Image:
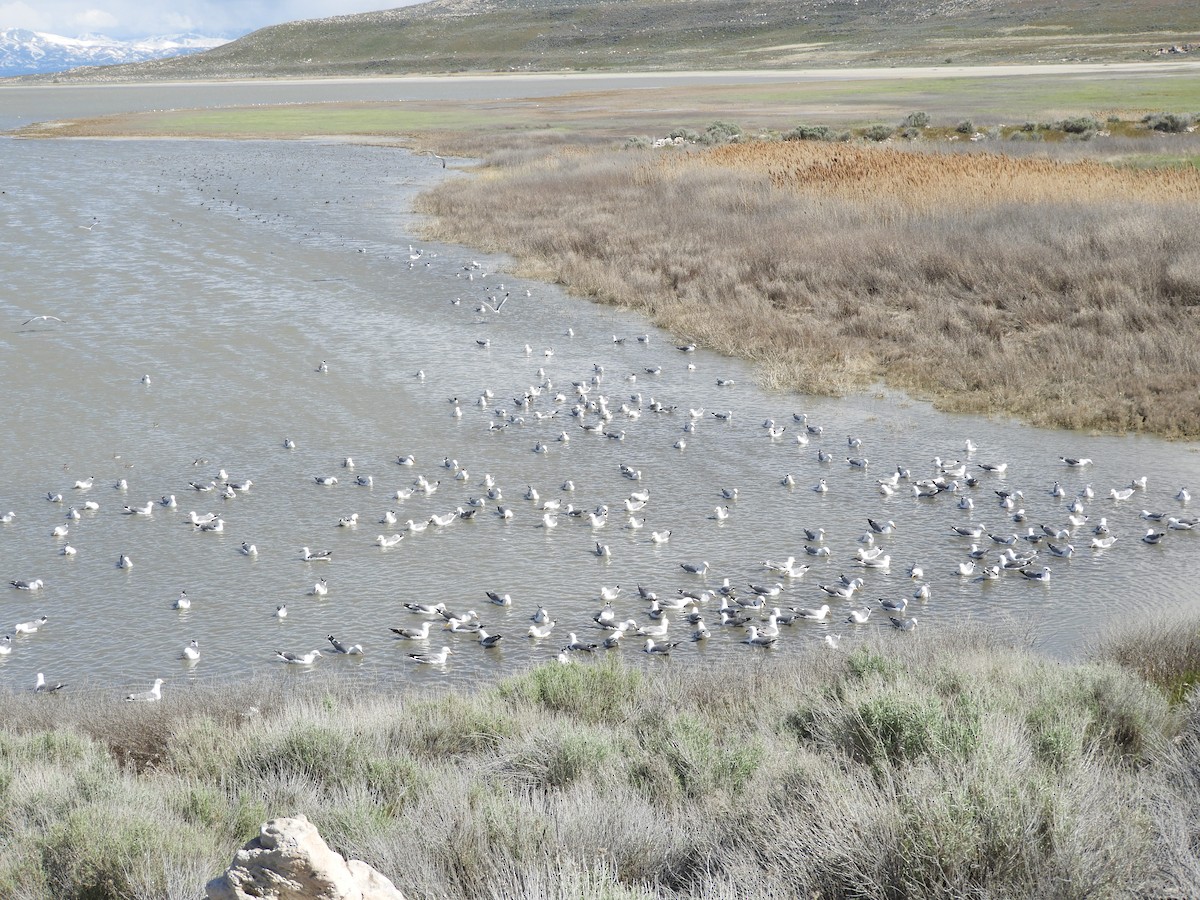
(289, 860)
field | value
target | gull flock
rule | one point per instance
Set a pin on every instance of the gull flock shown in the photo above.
(829, 588)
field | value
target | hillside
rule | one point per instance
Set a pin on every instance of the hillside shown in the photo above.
(547, 35)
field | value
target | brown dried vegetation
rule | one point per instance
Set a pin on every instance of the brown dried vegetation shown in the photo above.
(1067, 293)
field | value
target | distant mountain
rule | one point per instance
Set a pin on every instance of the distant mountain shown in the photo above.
(647, 35)
(31, 52)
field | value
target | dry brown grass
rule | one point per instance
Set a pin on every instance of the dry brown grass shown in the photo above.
(1067, 293)
(928, 183)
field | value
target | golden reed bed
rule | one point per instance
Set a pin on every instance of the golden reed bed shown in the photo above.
(928, 182)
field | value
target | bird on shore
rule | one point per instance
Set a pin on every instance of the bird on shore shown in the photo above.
(44, 687)
(150, 696)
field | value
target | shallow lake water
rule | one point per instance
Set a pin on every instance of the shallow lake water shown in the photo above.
(200, 287)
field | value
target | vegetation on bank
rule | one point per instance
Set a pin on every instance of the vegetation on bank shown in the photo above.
(1058, 287)
(924, 766)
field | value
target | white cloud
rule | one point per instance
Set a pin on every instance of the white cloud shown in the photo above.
(22, 15)
(94, 20)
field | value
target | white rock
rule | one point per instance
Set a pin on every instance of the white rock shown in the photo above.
(289, 860)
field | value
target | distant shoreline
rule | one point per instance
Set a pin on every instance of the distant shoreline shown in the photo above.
(857, 73)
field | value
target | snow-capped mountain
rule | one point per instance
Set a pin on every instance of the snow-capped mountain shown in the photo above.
(27, 52)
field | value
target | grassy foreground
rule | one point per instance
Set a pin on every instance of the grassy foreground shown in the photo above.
(944, 766)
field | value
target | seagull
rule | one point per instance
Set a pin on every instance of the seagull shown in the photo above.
(754, 639)
(413, 634)
(182, 602)
(903, 624)
(499, 599)
(1153, 537)
(316, 555)
(844, 589)
(659, 630)
(320, 589)
(432, 659)
(388, 542)
(124, 562)
(859, 616)
(281, 611)
(191, 652)
(42, 687)
(347, 649)
(1076, 462)
(53, 318)
(574, 645)
(30, 627)
(658, 649)
(155, 693)
(298, 659)
(693, 569)
(248, 549)
(1034, 575)
(816, 615)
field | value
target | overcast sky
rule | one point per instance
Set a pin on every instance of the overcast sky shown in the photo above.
(144, 18)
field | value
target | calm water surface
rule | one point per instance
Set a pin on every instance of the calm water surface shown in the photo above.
(226, 273)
